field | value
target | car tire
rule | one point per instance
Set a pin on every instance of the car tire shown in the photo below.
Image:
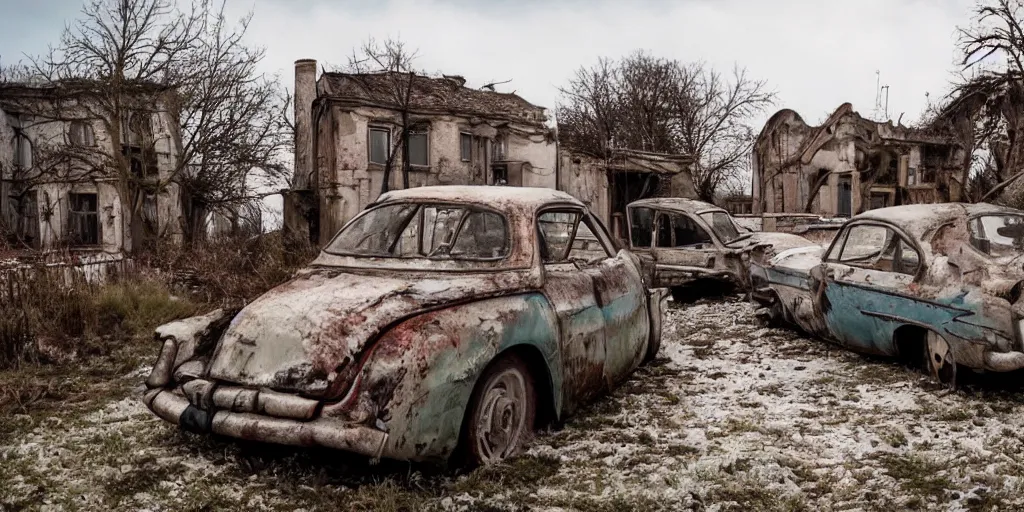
(501, 413)
(938, 359)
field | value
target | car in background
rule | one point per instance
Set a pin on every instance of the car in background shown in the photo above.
(439, 323)
(937, 285)
(691, 246)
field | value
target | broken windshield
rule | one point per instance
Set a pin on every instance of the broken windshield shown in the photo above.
(721, 223)
(424, 231)
(998, 235)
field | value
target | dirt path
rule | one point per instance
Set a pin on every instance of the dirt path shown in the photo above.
(730, 417)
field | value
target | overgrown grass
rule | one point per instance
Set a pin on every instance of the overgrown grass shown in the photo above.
(58, 330)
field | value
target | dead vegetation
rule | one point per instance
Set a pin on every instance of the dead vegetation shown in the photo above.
(61, 335)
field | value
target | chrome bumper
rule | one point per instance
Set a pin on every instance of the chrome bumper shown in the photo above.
(325, 432)
(1004, 361)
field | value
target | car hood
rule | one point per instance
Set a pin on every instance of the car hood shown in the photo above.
(779, 241)
(798, 259)
(297, 336)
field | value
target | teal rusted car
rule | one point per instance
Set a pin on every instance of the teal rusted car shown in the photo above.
(937, 285)
(440, 322)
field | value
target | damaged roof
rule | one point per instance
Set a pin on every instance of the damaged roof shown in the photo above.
(434, 95)
(919, 219)
(676, 204)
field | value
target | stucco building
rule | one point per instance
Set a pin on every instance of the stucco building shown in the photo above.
(57, 189)
(348, 131)
(850, 164)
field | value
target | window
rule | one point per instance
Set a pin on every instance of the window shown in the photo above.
(499, 174)
(380, 145)
(135, 127)
(418, 154)
(465, 146)
(23, 151)
(83, 219)
(864, 242)
(80, 133)
(722, 224)
(678, 230)
(879, 200)
(998, 235)
(499, 148)
(641, 220)
(556, 230)
(586, 246)
(431, 231)
(879, 248)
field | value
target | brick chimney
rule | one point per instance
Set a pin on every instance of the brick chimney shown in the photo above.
(300, 198)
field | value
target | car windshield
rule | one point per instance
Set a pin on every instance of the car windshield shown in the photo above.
(408, 230)
(998, 235)
(721, 223)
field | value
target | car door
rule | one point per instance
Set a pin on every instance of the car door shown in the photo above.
(640, 221)
(580, 319)
(865, 279)
(620, 293)
(683, 250)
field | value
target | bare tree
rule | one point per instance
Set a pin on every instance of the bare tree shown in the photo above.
(394, 62)
(712, 115)
(647, 103)
(988, 107)
(138, 67)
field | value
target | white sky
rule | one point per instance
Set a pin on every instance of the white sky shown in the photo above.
(816, 54)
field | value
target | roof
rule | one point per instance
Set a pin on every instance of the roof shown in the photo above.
(675, 203)
(497, 196)
(918, 219)
(428, 94)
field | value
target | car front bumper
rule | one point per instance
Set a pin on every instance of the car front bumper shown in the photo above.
(325, 432)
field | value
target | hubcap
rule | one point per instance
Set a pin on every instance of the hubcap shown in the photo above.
(502, 418)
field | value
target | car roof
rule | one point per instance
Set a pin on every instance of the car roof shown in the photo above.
(500, 197)
(919, 219)
(675, 203)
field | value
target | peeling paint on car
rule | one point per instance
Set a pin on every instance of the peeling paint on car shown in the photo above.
(380, 355)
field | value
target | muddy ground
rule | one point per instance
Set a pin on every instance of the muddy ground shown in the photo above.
(731, 416)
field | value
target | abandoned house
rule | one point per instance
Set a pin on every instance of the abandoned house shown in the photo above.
(607, 184)
(850, 164)
(57, 189)
(349, 126)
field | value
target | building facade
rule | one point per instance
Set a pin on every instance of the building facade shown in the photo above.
(850, 164)
(57, 185)
(349, 137)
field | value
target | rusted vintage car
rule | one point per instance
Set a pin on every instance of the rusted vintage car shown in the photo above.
(440, 321)
(936, 285)
(687, 245)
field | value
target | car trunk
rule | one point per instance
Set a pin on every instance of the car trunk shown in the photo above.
(298, 336)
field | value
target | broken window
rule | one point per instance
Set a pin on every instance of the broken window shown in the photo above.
(877, 247)
(83, 219)
(27, 226)
(863, 242)
(465, 146)
(998, 235)
(418, 149)
(380, 145)
(723, 226)
(678, 230)
(641, 221)
(136, 127)
(80, 133)
(586, 246)
(556, 230)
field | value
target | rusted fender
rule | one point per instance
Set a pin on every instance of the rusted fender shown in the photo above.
(182, 339)
(418, 377)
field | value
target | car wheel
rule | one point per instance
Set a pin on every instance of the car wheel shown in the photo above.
(939, 361)
(501, 413)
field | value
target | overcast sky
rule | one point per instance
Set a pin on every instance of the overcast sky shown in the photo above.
(816, 54)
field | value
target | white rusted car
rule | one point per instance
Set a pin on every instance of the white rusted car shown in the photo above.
(440, 321)
(935, 284)
(687, 245)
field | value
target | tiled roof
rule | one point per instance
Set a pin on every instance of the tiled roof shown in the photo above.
(428, 94)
